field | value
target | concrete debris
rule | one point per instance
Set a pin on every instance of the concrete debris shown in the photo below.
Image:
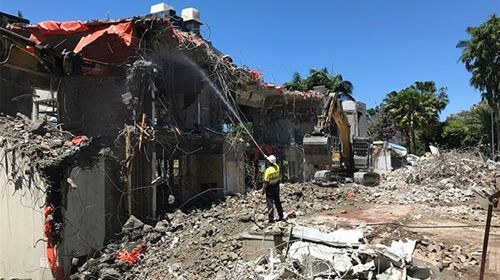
(319, 259)
(333, 261)
(446, 257)
(434, 150)
(444, 179)
(359, 268)
(339, 238)
(402, 249)
(231, 240)
(206, 243)
(38, 125)
(37, 140)
(391, 274)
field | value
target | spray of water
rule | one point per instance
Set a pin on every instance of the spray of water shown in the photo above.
(225, 100)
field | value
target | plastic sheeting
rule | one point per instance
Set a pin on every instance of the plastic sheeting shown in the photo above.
(398, 149)
(122, 30)
(61, 28)
(100, 41)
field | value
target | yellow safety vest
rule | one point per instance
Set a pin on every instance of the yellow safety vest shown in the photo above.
(272, 175)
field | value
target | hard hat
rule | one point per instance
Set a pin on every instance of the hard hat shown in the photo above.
(272, 159)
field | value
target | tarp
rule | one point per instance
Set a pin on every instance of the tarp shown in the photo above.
(61, 28)
(122, 30)
(104, 41)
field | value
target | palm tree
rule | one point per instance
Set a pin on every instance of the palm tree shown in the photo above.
(415, 107)
(481, 56)
(320, 77)
(341, 85)
(297, 83)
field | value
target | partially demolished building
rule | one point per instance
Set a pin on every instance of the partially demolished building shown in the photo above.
(128, 117)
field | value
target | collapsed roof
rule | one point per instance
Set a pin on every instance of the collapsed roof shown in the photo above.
(96, 48)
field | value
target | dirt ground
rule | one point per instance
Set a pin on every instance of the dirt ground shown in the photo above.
(420, 221)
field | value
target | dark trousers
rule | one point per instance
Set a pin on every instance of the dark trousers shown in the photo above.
(273, 197)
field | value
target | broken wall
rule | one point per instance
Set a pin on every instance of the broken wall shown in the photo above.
(285, 131)
(91, 210)
(15, 92)
(233, 161)
(294, 156)
(22, 200)
(92, 106)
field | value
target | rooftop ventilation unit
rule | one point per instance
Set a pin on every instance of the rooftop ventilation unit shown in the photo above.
(191, 14)
(191, 18)
(162, 10)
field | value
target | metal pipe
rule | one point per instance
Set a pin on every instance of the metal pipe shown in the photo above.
(19, 37)
(484, 252)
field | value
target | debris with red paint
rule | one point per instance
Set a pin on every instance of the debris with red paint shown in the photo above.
(130, 256)
(76, 141)
(350, 196)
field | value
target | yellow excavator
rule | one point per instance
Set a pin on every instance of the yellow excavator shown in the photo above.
(332, 153)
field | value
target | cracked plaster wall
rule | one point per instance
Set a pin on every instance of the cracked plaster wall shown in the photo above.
(22, 199)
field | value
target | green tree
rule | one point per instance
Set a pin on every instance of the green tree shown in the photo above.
(481, 56)
(320, 77)
(415, 107)
(468, 128)
(297, 83)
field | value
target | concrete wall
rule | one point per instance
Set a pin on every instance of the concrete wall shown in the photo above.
(295, 157)
(85, 217)
(22, 245)
(233, 162)
(92, 106)
(283, 131)
(90, 214)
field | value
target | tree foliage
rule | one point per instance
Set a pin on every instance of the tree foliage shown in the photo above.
(415, 108)
(468, 128)
(481, 56)
(319, 77)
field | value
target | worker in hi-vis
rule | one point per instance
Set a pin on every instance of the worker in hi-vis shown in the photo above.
(272, 189)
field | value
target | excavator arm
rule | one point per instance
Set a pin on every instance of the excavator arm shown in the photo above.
(336, 114)
(329, 145)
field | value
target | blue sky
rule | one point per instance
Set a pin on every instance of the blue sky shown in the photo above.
(379, 45)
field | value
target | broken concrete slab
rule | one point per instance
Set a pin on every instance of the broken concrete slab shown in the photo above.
(337, 238)
(402, 249)
(257, 243)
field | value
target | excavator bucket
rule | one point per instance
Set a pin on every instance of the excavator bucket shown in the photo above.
(317, 151)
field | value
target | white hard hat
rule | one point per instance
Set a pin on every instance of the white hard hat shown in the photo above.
(272, 159)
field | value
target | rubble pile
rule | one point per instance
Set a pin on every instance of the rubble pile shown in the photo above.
(43, 144)
(454, 169)
(208, 244)
(202, 243)
(444, 179)
(446, 257)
